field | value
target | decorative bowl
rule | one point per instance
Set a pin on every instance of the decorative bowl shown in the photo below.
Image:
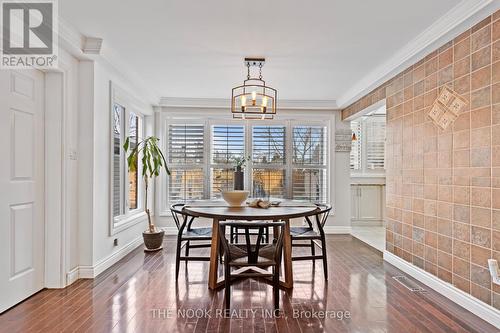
(235, 198)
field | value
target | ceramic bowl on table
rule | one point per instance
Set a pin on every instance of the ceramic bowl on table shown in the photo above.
(235, 198)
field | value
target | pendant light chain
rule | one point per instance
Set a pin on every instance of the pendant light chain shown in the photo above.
(260, 71)
(248, 71)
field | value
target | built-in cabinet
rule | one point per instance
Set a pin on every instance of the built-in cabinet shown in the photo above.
(367, 202)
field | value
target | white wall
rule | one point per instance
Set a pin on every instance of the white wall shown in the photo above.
(85, 164)
(340, 222)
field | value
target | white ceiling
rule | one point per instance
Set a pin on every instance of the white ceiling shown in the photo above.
(315, 50)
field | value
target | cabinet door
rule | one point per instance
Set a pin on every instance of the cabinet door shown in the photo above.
(354, 202)
(370, 202)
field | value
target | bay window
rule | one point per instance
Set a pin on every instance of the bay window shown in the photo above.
(285, 159)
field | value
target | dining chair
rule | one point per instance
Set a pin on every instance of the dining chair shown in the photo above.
(315, 234)
(252, 259)
(188, 236)
(236, 232)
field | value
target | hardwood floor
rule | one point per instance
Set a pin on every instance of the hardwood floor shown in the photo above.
(139, 294)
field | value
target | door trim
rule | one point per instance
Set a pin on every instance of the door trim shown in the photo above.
(57, 209)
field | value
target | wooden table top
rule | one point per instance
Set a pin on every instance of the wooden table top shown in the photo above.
(250, 213)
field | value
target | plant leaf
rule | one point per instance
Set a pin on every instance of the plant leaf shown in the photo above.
(126, 144)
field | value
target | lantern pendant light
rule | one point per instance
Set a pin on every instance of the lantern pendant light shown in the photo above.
(254, 99)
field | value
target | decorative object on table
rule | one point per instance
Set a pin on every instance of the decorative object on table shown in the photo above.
(239, 180)
(152, 162)
(235, 198)
(254, 99)
(259, 203)
(446, 107)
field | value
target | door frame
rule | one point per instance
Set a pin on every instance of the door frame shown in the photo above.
(57, 213)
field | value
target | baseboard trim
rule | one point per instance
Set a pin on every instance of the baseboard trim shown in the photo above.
(72, 275)
(480, 309)
(337, 230)
(113, 258)
(170, 230)
(90, 272)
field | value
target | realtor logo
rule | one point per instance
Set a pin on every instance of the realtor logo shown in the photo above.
(28, 34)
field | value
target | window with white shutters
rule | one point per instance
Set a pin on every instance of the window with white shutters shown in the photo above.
(368, 150)
(186, 161)
(309, 163)
(286, 159)
(268, 161)
(228, 143)
(125, 183)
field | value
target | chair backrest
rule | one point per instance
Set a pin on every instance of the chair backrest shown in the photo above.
(252, 248)
(320, 216)
(181, 218)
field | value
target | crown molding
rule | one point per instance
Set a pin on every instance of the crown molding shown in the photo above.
(92, 45)
(458, 19)
(84, 48)
(187, 102)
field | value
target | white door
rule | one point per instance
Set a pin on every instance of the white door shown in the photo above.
(21, 185)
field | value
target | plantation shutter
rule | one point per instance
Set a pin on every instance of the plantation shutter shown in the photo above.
(228, 143)
(309, 163)
(268, 159)
(355, 158)
(375, 143)
(186, 159)
(185, 144)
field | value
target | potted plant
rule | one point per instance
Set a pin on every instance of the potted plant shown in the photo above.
(152, 161)
(238, 174)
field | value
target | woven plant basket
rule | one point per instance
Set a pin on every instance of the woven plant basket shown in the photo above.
(153, 241)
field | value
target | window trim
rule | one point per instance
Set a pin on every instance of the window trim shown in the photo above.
(326, 119)
(132, 217)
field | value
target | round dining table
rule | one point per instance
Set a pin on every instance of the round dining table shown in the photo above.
(219, 211)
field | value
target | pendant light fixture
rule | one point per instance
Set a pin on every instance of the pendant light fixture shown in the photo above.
(254, 99)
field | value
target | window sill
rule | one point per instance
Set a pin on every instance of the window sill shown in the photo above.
(123, 222)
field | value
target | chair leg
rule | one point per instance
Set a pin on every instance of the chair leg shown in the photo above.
(177, 256)
(276, 287)
(313, 249)
(267, 235)
(187, 251)
(227, 288)
(220, 253)
(325, 261)
(231, 234)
